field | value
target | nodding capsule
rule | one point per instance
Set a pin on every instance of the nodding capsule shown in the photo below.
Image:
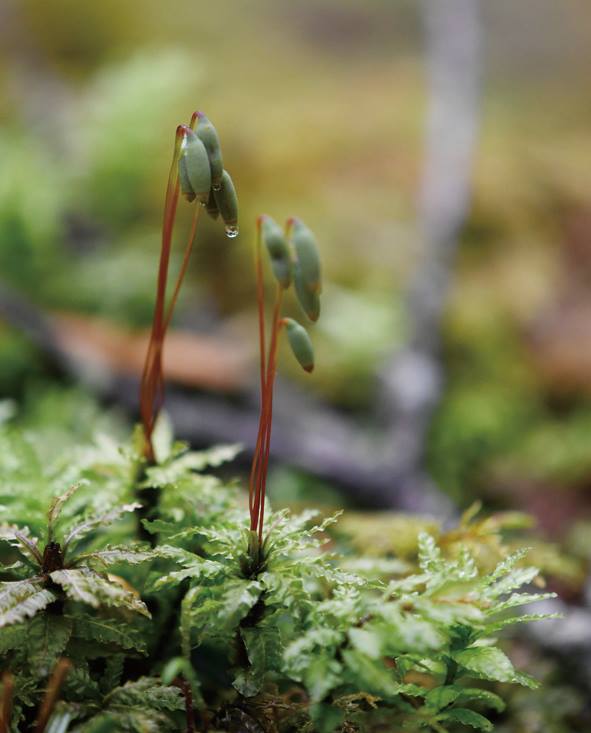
(194, 166)
(308, 300)
(300, 343)
(227, 201)
(307, 255)
(186, 188)
(278, 249)
(208, 135)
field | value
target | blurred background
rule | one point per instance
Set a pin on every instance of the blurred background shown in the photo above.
(440, 151)
(441, 156)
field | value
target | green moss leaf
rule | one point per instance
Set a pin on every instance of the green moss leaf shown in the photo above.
(48, 636)
(490, 663)
(22, 599)
(468, 717)
(86, 586)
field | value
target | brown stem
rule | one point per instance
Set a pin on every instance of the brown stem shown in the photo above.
(266, 418)
(149, 389)
(272, 370)
(261, 457)
(51, 694)
(262, 352)
(185, 688)
(184, 266)
(6, 707)
(152, 383)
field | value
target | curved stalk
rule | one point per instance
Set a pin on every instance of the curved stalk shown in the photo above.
(261, 456)
(152, 382)
(262, 353)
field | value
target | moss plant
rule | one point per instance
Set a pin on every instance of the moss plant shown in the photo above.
(197, 172)
(230, 618)
(294, 255)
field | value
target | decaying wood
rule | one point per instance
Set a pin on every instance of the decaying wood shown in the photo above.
(215, 363)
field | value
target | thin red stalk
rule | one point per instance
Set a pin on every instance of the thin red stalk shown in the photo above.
(157, 376)
(261, 459)
(152, 383)
(262, 352)
(252, 481)
(153, 364)
(184, 265)
(267, 419)
(261, 305)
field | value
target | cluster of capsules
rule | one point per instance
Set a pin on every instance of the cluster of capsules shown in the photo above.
(294, 260)
(202, 175)
(294, 257)
(197, 171)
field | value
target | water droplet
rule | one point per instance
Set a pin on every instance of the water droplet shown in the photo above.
(203, 203)
(231, 232)
(217, 187)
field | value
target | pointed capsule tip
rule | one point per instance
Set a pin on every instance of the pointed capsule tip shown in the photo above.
(309, 368)
(197, 115)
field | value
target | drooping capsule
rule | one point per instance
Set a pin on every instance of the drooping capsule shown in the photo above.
(278, 249)
(209, 137)
(186, 188)
(308, 300)
(300, 343)
(194, 166)
(307, 255)
(211, 207)
(227, 202)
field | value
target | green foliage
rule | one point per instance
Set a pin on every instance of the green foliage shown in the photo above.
(328, 640)
(44, 606)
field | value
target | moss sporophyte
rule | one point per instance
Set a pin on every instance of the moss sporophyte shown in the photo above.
(294, 259)
(198, 172)
(227, 619)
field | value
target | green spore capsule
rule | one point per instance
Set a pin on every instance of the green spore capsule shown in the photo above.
(308, 300)
(300, 343)
(227, 203)
(278, 250)
(196, 163)
(211, 207)
(208, 135)
(186, 188)
(307, 256)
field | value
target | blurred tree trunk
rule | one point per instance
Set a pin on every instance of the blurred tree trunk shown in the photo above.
(412, 378)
